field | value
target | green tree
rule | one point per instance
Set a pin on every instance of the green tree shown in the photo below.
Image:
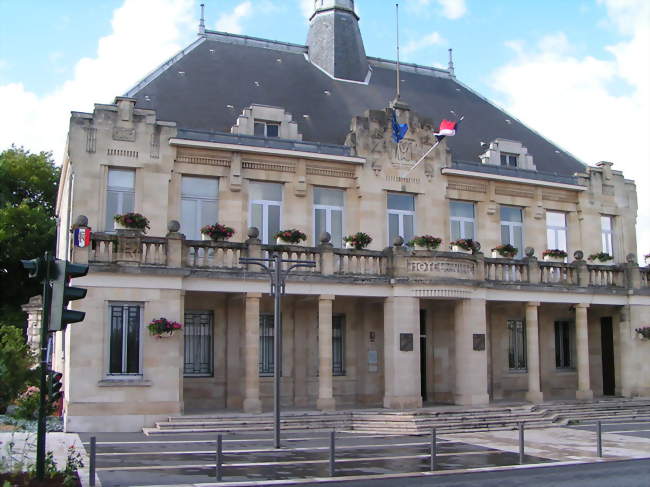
(28, 189)
(16, 360)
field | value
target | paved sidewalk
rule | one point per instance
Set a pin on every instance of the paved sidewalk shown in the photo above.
(58, 443)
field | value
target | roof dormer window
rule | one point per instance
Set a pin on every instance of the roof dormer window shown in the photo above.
(509, 160)
(267, 129)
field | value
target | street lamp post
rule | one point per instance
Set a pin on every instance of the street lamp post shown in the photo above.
(277, 290)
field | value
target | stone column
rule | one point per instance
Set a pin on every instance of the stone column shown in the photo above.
(325, 400)
(470, 354)
(582, 348)
(252, 402)
(534, 393)
(402, 353)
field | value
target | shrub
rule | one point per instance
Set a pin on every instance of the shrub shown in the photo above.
(28, 402)
(16, 362)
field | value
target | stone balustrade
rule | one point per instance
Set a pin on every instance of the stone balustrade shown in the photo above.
(131, 248)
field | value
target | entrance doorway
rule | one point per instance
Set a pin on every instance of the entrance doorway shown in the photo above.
(607, 347)
(423, 354)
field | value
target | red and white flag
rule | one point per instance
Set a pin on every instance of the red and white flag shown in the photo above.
(447, 128)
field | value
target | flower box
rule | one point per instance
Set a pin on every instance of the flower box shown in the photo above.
(291, 236)
(358, 241)
(425, 242)
(550, 258)
(458, 248)
(216, 232)
(163, 328)
(131, 221)
(554, 255)
(504, 251)
(643, 332)
(464, 245)
(601, 258)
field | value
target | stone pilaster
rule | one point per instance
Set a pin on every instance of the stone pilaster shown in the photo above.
(325, 399)
(402, 353)
(252, 402)
(534, 393)
(582, 349)
(471, 356)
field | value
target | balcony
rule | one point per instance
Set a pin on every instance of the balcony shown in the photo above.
(130, 251)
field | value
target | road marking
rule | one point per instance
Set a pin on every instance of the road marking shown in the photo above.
(293, 462)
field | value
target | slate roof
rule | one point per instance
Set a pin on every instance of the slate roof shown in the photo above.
(208, 85)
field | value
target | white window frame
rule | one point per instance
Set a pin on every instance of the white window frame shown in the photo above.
(120, 190)
(200, 200)
(400, 219)
(264, 236)
(508, 156)
(328, 219)
(607, 235)
(511, 229)
(123, 374)
(266, 125)
(556, 230)
(462, 220)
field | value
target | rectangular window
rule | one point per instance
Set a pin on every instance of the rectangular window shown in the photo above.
(124, 341)
(266, 345)
(512, 230)
(197, 332)
(120, 194)
(509, 160)
(338, 344)
(556, 230)
(606, 229)
(199, 204)
(401, 216)
(266, 129)
(461, 219)
(516, 345)
(328, 214)
(564, 336)
(265, 208)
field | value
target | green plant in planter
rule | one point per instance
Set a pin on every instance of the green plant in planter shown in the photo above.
(218, 231)
(644, 331)
(359, 240)
(162, 326)
(555, 253)
(135, 221)
(428, 241)
(600, 257)
(291, 235)
(464, 243)
(506, 250)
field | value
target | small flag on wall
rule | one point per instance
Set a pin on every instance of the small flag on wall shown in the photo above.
(399, 129)
(82, 237)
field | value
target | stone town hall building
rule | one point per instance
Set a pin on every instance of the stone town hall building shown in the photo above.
(258, 133)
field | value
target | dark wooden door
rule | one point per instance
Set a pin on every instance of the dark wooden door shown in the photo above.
(607, 347)
(423, 354)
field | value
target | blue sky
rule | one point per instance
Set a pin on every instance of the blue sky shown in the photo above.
(570, 69)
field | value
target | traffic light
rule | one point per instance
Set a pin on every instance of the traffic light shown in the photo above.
(35, 267)
(54, 385)
(62, 271)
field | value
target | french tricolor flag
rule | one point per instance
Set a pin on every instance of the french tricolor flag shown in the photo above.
(82, 237)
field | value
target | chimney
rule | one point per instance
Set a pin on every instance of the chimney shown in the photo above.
(334, 40)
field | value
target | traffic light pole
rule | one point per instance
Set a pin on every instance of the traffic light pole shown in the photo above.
(42, 416)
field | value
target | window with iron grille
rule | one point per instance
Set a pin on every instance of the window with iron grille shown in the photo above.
(124, 342)
(197, 331)
(564, 340)
(338, 345)
(266, 345)
(516, 345)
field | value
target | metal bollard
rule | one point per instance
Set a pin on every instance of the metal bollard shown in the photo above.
(332, 452)
(599, 439)
(521, 443)
(219, 466)
(434, 451)
(93, 459)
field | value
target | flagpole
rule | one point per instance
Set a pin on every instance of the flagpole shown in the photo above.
(397, 29)
(429, 151)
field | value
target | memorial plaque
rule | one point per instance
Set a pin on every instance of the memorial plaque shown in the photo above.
(406, 342)
(479, 341)
(454, 268)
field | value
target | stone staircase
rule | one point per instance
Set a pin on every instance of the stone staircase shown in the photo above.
(447, 419)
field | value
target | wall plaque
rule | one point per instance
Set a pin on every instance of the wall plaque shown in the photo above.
(123, 133)
(442, 268)
(406, 342)
(479, 341)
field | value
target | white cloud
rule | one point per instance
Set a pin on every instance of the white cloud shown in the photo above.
(428, 40)
(144, 34)
(231, 22)
(452, 9)
(595, 107)
(306, 7)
